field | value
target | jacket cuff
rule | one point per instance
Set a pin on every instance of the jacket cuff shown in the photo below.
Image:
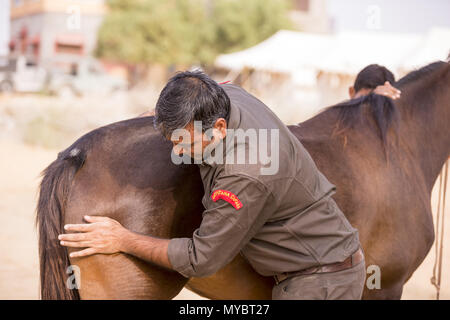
(178, 252)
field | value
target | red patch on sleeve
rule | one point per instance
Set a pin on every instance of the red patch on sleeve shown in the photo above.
(228, 196)
(225, 82)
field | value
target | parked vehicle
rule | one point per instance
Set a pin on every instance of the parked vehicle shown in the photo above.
(86, 77)
(21, 75)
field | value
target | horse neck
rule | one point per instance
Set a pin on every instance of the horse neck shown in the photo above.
(424, 123)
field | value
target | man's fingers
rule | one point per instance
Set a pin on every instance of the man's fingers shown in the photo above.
(86, 226)
(394, 91)
(79, 227)
(388, 90)
(83, 253)
(74, 236)
(77, 244)
(95, 218)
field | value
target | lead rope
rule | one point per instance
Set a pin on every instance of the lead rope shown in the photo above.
(437, 269)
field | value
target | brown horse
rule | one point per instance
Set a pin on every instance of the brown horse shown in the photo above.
(383, 157)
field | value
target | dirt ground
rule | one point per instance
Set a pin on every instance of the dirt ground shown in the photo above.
(20, 166)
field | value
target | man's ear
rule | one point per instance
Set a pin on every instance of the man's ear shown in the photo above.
(351, 92)
(221, 125)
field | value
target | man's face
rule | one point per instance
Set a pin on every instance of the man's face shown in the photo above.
(193, 142)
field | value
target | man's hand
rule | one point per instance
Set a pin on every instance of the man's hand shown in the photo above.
(147, 113)
(106, 235)
(101, 235)
(388, 90)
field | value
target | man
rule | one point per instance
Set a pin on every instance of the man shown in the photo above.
(277, 210)
(374, 78)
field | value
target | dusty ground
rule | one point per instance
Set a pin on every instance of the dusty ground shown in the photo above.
(20, 166)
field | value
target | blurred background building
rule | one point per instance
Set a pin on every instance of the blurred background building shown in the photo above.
(401, 16)
(4, 27)
(55, 33)
(310, 15)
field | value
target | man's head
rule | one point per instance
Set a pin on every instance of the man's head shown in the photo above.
(369, 78)
(188, 97)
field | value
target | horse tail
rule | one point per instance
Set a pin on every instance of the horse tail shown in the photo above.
(53, 193)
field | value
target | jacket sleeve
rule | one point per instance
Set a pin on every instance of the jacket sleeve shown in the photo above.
(237, 208)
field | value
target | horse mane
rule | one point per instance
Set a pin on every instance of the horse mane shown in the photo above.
(351, 112)
(421, 73)
(381, 108)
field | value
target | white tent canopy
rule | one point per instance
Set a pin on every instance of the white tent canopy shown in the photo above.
(350, 52)
(283, 52)
(289, 52)
(435, 46)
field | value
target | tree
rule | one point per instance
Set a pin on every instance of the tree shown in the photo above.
(242, 24)
(186, 31)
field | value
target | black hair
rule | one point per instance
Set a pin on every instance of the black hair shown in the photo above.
(372, 76)
(190, 96)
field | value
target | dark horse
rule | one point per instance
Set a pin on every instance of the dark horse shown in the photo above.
(383, 157)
